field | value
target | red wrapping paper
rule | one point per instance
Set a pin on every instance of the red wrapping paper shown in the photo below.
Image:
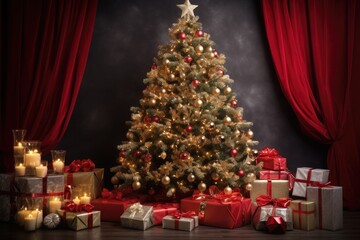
(163, 209)
(217, 214)
(111, 209)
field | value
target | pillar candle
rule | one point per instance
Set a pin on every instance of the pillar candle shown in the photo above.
(41, 171)
(54, 205)
(30, 223)
(85, 199)
(20, 170)
(38, 214)
(76, 200)
(21, 214)
(19, 149)
(32, 159)
(58, 166)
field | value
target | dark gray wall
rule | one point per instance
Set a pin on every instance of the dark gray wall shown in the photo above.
(126, 38)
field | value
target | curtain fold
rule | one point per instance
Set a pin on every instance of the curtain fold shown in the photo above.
(314, 45)
(44, 49)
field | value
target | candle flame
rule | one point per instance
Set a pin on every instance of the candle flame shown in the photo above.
(35, 150)
(20, 165)
(19, 144)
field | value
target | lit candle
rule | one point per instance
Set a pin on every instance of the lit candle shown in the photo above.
(58, 166)
(85, 199)
(21, 214)
(19, 149)
(30, 223)
(54, 205)
(38, 214)
(41, 171)
(32, 159)
(76, 200)
(20, 170)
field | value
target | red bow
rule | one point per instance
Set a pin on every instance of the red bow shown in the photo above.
(263, 200)
(269, 152)
(178, 214)
(215, 193)
(73, 207)
(111, 194)
(85, 165)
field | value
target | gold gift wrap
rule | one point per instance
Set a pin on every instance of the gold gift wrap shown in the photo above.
(329, 206)
(80, 220)
(138, 216)
(303, 214)
(184, 223)
(86, 182)
(259, 215)
(279, 188)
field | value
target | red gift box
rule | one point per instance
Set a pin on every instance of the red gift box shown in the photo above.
(161, 210)
(217, 214)
(271, 159)
(277, 175)
(111, 209)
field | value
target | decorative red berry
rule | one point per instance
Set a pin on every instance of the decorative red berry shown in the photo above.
(155, 119)
(215, 53)
(184, 155)
(195, 82)
(153, 67)
(147, 157)
(181, 35)
(233, 103)
(188, 59)
(147, 119)
(241, 173)
(199, 33)
(137, 154)
(121, 153)
(233, 152)
(189, 128)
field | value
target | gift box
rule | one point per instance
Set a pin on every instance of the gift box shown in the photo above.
(273, 188)
(181, 221)
(277, 175)
(306, 177)
(303, 214)
(30, 192)
(80, 220)
(212, 212)
(160, 210)
(112, 209)
(138, 216)
(90, 182)
(329, 206)
(261, 212)
(271, 159)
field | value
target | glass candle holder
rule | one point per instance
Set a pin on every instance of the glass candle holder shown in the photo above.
(19, 148)
(41, 170)
(32, 156)
(58, 160)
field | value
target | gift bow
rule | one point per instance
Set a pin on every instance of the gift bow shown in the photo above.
(73, 207)
(263, 200)
(178, 214)
(215, 193)
(269, 152)
(85, 165)
(136, 208)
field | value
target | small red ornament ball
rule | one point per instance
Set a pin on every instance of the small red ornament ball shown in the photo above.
(188, 128)
(188, 59)
(184, 155)
(155, 119)
(122, 153)
(215, 53)
(195, 82)
(147, 157)
(233, 152)
(147, 119)
(199, 33)
(151, 191)
(137, 153)
(233, 103)
(181, 35)
(241, 173)
(153, 67)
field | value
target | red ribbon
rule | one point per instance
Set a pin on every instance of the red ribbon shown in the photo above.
(73, 207)
(320, 186)
(177, 215)
(263, 200)
(300, 211)
(216, 194)
(269, 152)
(269, 188)
(85, 165)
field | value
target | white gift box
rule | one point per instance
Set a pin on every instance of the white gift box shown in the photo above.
(138, 216)
(302, 179)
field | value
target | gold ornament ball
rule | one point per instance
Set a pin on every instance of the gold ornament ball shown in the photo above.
(228, 190)
(172, 76)
(255, 153)
(199, 49)
(227, 90)
(130, 135)
(163, 155)
(215, 91)
(251, 177)
(191, 177)
(114, 180)
(167, 61)
(171, 192)
(198, 103)
(202, 186)
(249, 187)
(227, 119)
(136, 185)
(250, 134)
(165, 180)
(152, 102)
(237, 133)
(215, 176)
(209, 49)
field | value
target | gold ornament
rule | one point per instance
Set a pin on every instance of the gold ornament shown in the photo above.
(227, 119)
(165, 180)
(215, 176)
(227, 90)
(167, 61)
(130, 135)
(119, 175)
(211, 125)
(250, 134)
(247, 149)
(163, 155)
(255, 153)
(249, 187)
(199, 49)
(222, 138)
(228, 190)
(198, 103)
(202, 186)
(251, 177)
(136, 185)
(237, 133)
(215, 91)
(209, 49)
(114, 180)
(152, 102)
(171, 192)
(191, 177)
(172, 76)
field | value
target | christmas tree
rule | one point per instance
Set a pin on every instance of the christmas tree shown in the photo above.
(189, 132)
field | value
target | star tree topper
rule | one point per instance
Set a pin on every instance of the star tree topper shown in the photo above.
(187, 9)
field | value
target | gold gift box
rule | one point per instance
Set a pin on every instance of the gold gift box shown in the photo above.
(303, 214)
(80, 220)
(138, 216)
(279, 188)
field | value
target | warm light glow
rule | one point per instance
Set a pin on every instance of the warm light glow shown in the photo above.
(20, 144)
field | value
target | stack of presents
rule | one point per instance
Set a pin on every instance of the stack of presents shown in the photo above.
(278, 202)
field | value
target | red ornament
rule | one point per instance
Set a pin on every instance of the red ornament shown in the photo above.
(188, 59)
(155, 119)
(137, 153)
(233, 103)
(151, 191)
(195, 82)
(233, 152)
(215, 53)
(147, 119)
(241, 173)
(181, 35)
(189, 128)
(153, 67)
(199, 33)
(147, 157)
(275, 225)
(122, 153)
(184, 155)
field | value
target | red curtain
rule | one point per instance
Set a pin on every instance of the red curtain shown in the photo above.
(44, 48)
(315, 46)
